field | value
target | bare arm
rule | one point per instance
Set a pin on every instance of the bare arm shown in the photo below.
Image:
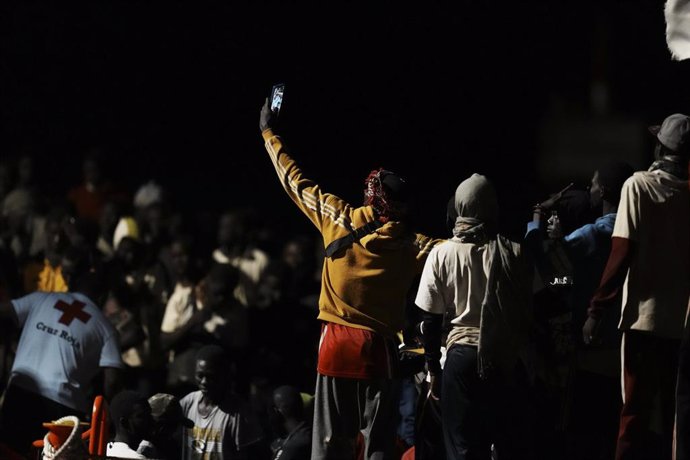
(8, 317)
(112, 382)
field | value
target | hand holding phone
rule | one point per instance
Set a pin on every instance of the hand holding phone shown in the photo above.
(548, 204)
(277, 93)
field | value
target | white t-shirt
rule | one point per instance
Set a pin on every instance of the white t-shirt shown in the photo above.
(230, 326)
(453, 283)
(122, 450)
(179, 309)
(65, 340)
(221, 434)
(654, 213)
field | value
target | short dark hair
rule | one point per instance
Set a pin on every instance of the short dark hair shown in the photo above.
(291, 401)
(122, 405)
(612, 176)
(213, 354)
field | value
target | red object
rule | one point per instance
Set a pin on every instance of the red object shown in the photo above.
(360, 447)
(99, 431)
(348, 352)
(75, 310)
(409, 454)
(97, 434)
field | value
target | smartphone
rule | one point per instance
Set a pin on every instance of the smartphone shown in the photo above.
(567, 187)
(277, 97)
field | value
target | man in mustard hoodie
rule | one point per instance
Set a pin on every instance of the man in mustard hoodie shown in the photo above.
(372, 258)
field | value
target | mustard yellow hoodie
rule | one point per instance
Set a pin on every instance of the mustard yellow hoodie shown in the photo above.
(366, 285)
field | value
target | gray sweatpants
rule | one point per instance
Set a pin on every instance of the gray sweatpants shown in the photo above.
(345, 407)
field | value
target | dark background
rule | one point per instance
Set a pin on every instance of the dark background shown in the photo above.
(172, 91)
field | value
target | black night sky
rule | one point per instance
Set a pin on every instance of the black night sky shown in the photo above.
(172, 91)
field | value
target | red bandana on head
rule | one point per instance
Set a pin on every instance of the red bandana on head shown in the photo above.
(377, 196)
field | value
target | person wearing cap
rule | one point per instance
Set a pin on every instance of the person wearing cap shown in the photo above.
(650, 264)
(372, 258)
(165, 441)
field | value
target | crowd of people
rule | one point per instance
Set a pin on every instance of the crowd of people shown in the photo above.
(363, 340)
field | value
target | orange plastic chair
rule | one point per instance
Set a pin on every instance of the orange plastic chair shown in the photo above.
(99, 431)
(100, 428)
(409, 454)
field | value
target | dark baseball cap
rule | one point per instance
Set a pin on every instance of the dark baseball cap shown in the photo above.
(166, 408)
(674, 133)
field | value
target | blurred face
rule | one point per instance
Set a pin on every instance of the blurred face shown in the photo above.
(68, 268)
(92, 172)
(211, 379)
(55, 236)
(155, 218)
(217, 294)
(230, 230)
(128, 252)
(595, 191)
(293, 254)
(108, 220)
(180, 258)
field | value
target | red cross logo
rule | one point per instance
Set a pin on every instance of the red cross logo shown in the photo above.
(69, 312)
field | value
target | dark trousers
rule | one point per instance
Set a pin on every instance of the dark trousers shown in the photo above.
(478, 413)
(683, 401)
(594, 416)
(650, 370)
(23, 413)
(407, 409)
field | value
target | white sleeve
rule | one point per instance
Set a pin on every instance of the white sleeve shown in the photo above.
(628, 215)
(173, 317)
(110, 353)
(169, 319)
(24, 305)
(430, 293)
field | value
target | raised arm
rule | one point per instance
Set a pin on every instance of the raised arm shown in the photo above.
(323, 209)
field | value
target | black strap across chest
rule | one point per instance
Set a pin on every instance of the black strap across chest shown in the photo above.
(349, 239)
